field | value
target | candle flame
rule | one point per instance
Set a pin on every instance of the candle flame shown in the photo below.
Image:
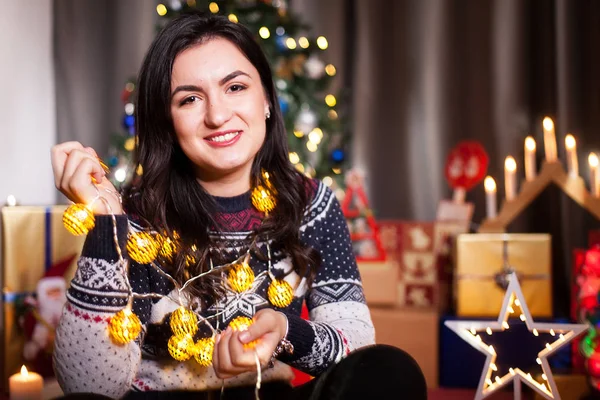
(569, 141)
(510, 164)
(24, 372)
(530, 143)
(593, 160)
(490, 184)
(548, 124)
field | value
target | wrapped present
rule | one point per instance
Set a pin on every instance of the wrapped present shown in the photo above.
(483, 262)
(35, 245)
(414, 331)
(461, 365)
(423, 251)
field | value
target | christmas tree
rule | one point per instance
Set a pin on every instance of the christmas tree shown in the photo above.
(317, 140)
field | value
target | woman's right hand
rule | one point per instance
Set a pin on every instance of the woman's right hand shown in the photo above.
(75, 169)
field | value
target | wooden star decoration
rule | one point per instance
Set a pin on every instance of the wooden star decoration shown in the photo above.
(514, 300)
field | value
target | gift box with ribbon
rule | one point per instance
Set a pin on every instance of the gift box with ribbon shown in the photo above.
(35, 245)
(483, 262)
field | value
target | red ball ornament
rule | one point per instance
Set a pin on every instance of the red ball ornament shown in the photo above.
(466, 165)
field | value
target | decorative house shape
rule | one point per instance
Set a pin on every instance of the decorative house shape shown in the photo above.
(355, 205)
(551, 172)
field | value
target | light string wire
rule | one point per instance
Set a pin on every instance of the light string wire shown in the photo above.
(202, 319)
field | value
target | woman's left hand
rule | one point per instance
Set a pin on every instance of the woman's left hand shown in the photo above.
(231, 357)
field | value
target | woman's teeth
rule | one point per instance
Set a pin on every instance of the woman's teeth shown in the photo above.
(224, 138)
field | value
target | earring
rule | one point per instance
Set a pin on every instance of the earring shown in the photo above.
(268, 114)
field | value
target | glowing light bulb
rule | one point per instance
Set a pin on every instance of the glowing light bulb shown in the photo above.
(290, 43)
(328, 181)
(233, 18)
(213, 7)
(264, 32)
(330, 69)
(535, 332)
(311, 146)
(322, 42)
(522, 316)
(488, 330)
(552, 332)
(330, 100)
(303, 42)
(505, 325)
(517, 303)
(161, 10)
(294, 158)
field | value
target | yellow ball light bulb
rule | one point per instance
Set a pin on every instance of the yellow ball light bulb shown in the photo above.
(124, 327)
(263, 199)
(242, 323)
(240, 277)
(142, 247)
(204, 351)
(181, 348)
(280, 293)
(79, 219)
(184, 322)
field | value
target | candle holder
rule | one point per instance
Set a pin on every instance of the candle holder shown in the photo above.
(551, 172)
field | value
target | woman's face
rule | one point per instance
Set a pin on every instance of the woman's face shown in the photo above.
(218, 107)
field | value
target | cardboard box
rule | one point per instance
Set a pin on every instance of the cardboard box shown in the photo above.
(379, 279)
(480, 263)
(414, 331)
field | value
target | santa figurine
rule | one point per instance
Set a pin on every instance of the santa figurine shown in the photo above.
(42, 318)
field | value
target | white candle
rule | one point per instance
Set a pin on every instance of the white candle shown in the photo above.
(490, 197)
(25, 385)
(549, 140)
(530, 167)
(510, 178)
(572, 163)
(594, 175)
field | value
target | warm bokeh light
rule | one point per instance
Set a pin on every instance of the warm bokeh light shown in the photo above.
(303, 42)
(490, 184)
(322, 42)
(330, 69)
(510, 164)
(530, 143)
(264, 32)
(161, 10)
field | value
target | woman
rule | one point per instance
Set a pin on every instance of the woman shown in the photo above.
(211, 136)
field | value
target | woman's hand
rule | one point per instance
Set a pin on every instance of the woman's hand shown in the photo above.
(75, 169)
(231, 357)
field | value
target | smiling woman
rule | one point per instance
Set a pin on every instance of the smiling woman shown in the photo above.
(200, 281)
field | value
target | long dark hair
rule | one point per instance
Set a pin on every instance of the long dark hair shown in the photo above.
(168, 197)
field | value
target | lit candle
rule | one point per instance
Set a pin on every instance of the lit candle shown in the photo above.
(530, 166)
(594, 175)
(572, 163)
(490, 197)
(549, 140)
(26, 385)
(510, 178)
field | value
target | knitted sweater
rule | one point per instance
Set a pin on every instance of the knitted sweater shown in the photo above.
(86, 360)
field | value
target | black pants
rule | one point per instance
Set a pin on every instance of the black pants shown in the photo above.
(375, 372)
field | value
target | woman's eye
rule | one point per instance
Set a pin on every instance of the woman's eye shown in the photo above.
(189, 100)
(236, 88)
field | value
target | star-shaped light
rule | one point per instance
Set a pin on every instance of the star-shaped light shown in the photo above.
(513, 300)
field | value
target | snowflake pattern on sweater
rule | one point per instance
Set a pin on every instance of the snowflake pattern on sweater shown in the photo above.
(86, 359)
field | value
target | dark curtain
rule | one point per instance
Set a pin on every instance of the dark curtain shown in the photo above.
(429, 73)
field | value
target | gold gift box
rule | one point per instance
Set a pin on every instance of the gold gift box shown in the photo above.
(480, 259)
(22, 265)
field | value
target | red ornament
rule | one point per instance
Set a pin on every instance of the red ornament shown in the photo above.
(466, 165)
(592, 262)
(593, 364)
